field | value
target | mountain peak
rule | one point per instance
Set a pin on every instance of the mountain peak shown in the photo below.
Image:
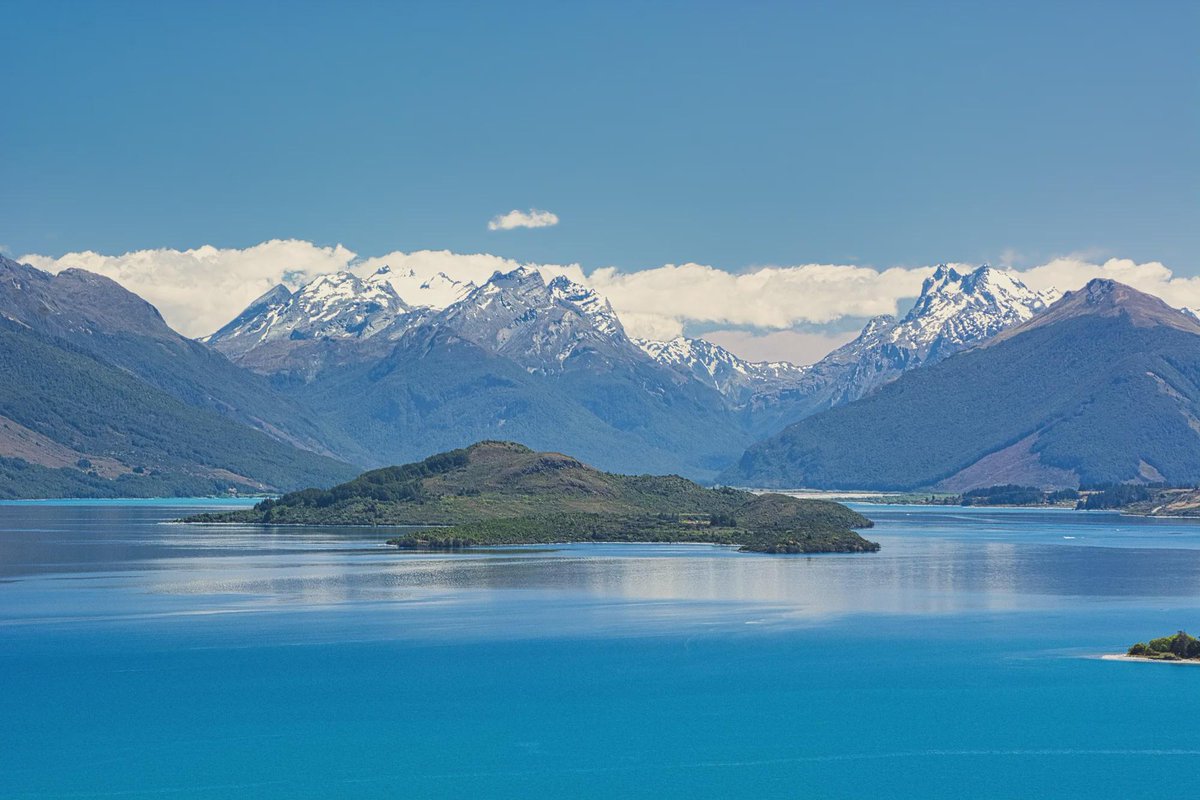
(537, 324)
(441, 277)
(1102, 290)
(274, 296)
(735, 378)
(565, 283)
(590, 303)
(521, 276)
(970, 305)
(1098, 388)
(1105, 297)
(330, 295)
(954, 311)
(877, 324)
(943, 274)
(421, 290)
(949, 279)
(335, 306)
(76, 301)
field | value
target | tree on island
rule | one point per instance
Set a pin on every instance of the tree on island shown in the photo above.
(1168, 648)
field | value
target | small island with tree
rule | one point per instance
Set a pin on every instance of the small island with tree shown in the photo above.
(1179, 647)
(502, 493)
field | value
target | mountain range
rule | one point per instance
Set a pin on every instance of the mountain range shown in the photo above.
(101, 397)
(350, 370)
(954, 312)
(545, 363)
(562, 373)
(1102, 387)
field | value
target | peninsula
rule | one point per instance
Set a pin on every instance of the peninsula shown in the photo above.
(501, 493)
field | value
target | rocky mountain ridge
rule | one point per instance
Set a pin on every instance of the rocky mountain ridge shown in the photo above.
(1102, 387)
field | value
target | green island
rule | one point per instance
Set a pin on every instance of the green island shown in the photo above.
(501, 493)
(1179, 647)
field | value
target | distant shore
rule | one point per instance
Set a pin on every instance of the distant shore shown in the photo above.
(873, 497)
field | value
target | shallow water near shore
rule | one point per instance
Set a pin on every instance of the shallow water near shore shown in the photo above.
(141, 658)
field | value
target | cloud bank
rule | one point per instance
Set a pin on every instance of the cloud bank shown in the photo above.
(665, 299)
(755, 311)
(199, 290)
(533, 218)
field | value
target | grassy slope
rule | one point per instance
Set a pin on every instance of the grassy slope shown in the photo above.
(93, 316)
(94, 408)
(503, 493)
(203, 378)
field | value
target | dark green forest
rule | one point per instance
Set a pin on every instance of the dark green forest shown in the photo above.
(1100, 396)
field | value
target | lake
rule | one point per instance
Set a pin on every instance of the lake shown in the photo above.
(140, 658)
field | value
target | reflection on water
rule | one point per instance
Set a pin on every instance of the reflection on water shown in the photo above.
(146, 660)
(75, 561)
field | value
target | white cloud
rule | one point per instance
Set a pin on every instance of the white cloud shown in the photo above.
(533, 218)
(669, 297)
(474, 267)
(1152, 277)
(201, 289)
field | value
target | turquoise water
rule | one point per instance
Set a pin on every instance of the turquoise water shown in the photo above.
(143, 659)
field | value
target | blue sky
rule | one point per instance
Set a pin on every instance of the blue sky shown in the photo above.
(734, 134)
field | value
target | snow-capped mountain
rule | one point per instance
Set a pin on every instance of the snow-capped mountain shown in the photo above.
(336, 306)
(589, 303)
(959, 309)
(544, 325)
(537, 324)
(436, 292)
(516, 314)
(1096, 389)
(953, 312)
(546, 363)
(341, 334)
(736, 378)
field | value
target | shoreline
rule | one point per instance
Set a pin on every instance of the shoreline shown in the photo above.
(1144, 660)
